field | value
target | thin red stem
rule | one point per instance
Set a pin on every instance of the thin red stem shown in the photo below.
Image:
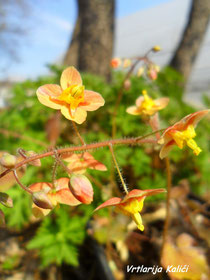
(78, 134)
(19, 183)
(128, 141)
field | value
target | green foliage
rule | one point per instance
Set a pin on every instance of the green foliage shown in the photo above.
(60, 234)
(57, 238)
(10, 263)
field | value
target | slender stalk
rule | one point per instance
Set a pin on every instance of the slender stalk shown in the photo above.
(20, 184)
(78, 134)
(128, 141)
(166, 224)
(55, 166)
(119, 98)
(22, 152)
(120, 92)
(118, 169)
(59, 161)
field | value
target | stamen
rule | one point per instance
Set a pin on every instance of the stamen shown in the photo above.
(138, 220)
(148, 102)
(73, 95)
(193, 145)
(185, 138)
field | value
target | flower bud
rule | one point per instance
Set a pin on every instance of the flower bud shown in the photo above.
(42, 200)
(115, 62)
(81, 188)
(152, 73)
(8, 161)
(156, 48)
(126, 63)
(6, 200)
(127, 84)
(140, 71)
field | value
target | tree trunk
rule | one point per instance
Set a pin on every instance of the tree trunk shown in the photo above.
(72, 54)
(192, 38)
(92, 41)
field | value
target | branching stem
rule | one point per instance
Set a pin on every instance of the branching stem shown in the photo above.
(59, 161)
(128, 141)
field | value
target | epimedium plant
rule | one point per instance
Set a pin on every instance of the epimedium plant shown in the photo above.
(73, 100)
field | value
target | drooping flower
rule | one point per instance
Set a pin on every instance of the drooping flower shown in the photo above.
(131, 204)
(115, 62)
(81, 188)
(182, 134)
(147, 106)
(126, 63)
(78, 163)
(7, 160)
(140, 71)
(48, 197)
(70, 97)
(152, 71)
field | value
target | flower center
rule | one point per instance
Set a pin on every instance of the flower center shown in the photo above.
(148, 102)
(73, 95)
(185, 137)
(132, 207)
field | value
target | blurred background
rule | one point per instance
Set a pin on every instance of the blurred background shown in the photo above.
(38, 39)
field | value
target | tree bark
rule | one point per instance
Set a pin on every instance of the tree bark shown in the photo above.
(192, 38)
(92, 42)
(72, 54)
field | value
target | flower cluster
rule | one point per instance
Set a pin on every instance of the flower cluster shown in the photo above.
(73, 100)
(149, 68)
(118, 62)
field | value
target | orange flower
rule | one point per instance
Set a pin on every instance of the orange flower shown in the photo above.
(51, 197)
(78, 163)
(71, 97)
(181, 134)
(131, 204)
(147, 106)
(115, 62)
(152, 72)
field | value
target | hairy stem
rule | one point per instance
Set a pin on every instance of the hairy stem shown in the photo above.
(118, 169)
(128, 141)
(20, 184)
(78, 134)
(166, 224)
(54, 170)
(59, 161)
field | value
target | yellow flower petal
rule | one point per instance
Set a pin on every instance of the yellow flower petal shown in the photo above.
(48, 95)
(92, 101)
(70, 76)
(133, 110)
(161, 103)
(78, 117)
